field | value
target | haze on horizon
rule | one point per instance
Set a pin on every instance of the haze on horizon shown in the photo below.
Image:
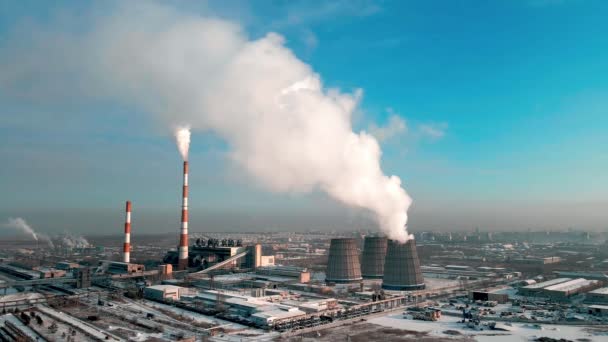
(493, 118)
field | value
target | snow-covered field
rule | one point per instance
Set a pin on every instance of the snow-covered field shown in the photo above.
(519, 332)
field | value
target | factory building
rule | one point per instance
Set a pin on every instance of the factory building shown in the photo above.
(586, 275)
(163, 292)
(599, 310)
(537, 261)
(19, 272)
(67, 266)
(489, 295)
(119, 267)
(302, 274)
(598, 296)
(535, 290)
(48, 272)
(560, 289)
(273, 317)
(563, 291)
(206, 253)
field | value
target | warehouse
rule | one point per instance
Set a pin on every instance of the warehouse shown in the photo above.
(490, 295)
(599, 310)
(536, 289)
(563, 291)
(272, 317)
(163, 292)
(599, 296)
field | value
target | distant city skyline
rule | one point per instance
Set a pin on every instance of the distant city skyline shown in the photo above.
(493, 117)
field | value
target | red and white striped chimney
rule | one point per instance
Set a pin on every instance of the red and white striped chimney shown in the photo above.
(183, 241)
(126, 250)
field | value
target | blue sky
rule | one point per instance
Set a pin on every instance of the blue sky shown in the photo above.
(505, 104)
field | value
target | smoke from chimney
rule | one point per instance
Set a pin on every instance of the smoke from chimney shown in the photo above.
(21, 225)
(182, 139)
(286, 129)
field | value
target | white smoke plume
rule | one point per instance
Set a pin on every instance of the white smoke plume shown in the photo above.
(47, 239)
(21, 225)
(182, 139)
(71, 241)
(283, 127)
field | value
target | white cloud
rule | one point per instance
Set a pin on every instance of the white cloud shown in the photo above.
(395, 126)
(433, 130)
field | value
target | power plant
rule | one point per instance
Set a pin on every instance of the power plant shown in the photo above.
(343, 264)
(402, 267)
(372, 259)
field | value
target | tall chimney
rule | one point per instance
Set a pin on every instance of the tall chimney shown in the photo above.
(183, 241)
(126, 250)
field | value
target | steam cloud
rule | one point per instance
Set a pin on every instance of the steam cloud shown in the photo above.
(283, 127)
(182, 139)
(21, 225)
(71, 241)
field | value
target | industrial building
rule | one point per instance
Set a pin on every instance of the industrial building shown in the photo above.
(598, 296)
(586, 275)
(119, 267)
(402, 267)
(489, 295)
(273, 317)
(302, 274)
(163, 292)
(599, 310)
(560, 289)
(534, 290)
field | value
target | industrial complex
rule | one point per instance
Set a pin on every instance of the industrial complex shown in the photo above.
(275, 286)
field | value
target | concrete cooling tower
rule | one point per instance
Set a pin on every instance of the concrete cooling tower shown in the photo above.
(402, 267)
(343, 263)
(372, 259)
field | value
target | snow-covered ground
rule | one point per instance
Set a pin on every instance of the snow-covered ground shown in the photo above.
(519, 331)
(91, 330)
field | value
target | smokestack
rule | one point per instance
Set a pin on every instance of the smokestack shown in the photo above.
(183, 241)
(402, 267)
(343, 263)
(374, 253)
(127, 246)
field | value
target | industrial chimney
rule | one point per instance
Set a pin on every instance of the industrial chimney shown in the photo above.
(402, 267)
(372, 260)
(126, 250)
(343, 264)
(183, 241)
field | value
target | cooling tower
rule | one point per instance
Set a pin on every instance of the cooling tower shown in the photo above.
(343, 263)
(402, 267)
(372, 260)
